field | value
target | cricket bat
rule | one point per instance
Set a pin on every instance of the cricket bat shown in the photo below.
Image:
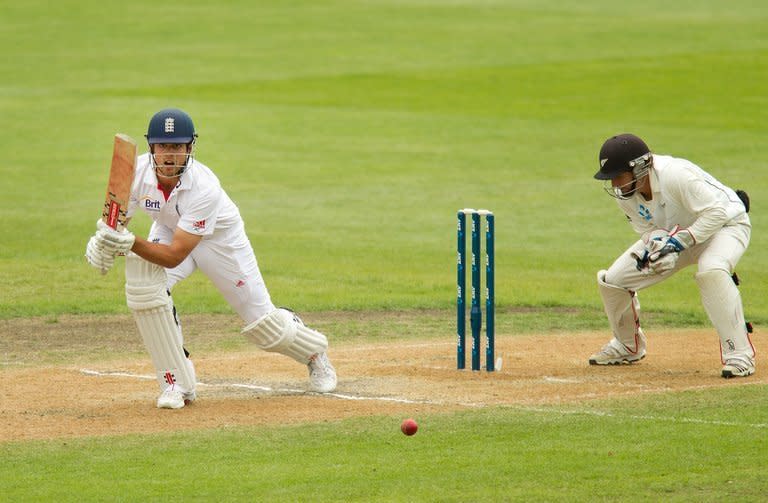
(120, 181)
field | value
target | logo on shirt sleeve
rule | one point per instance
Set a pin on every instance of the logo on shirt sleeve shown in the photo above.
(199, 225)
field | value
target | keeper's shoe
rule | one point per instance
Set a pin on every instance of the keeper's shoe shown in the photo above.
(737, 368)
(322, 375)
(174, 398)
(609, 355)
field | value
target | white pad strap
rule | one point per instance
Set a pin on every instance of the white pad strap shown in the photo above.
(281, 331)
(722, 301)
(623, 310)
(147, 297)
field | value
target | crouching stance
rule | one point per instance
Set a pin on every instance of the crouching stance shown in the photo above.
(684, 217)
(196, 226)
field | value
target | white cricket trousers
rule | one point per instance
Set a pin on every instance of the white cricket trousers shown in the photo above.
(230, 265)
(716, 260)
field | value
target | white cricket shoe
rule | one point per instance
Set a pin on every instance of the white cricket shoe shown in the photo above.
(170, 399)
(737, 368)
(322, 375)
(610, 355)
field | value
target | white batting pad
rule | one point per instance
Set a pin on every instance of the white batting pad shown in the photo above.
(280, 331)
(623, 310)
(722, 301)
(152, 307)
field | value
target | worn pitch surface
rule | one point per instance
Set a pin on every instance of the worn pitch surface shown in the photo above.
(113, 391)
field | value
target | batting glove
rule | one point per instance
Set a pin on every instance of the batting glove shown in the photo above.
(97, 257)
(112, 241)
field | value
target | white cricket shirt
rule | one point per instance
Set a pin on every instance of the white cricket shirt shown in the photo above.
(684, 195)
(197, 204)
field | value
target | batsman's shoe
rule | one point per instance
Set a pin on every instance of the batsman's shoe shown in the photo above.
(610, 355)
(171, 398)
(737, 368)
(322, 375)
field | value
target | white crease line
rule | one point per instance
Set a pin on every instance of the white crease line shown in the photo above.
(671, 419)
(400, 346)
(268, 389)
(114, 374)
(254, 387)
(561, 380)
(381, 398)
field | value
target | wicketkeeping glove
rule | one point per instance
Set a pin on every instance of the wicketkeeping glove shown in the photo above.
(651, 240)
(662, 252)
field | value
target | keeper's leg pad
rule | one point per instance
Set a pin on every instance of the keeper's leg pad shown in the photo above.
(281, 331)
(722, 302)
(623, 311)
(152, 307)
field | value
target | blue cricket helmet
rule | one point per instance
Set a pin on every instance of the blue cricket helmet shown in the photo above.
(171, 125)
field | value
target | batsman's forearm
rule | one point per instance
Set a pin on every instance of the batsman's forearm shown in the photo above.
(158, 253)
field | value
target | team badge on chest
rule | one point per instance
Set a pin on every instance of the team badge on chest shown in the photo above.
(645, 212)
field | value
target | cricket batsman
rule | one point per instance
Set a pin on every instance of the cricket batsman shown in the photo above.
(195, 226)
(684, 216)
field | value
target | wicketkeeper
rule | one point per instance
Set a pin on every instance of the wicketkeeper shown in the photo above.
(684, 216)
(195, 226)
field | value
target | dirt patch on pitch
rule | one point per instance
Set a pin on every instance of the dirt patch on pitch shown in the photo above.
(67, 378)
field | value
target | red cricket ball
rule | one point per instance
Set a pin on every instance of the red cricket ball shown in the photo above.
(409, 427)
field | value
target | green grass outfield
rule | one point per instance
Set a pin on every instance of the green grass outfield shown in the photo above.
(349, 133)
(678, 448)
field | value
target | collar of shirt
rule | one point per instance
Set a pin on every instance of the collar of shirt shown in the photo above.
(653, 177)
(184, 183)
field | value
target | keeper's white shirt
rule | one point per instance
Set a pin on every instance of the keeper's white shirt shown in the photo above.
(684, 195)
(199, 205)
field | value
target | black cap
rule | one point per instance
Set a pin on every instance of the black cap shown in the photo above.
(620, 154)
